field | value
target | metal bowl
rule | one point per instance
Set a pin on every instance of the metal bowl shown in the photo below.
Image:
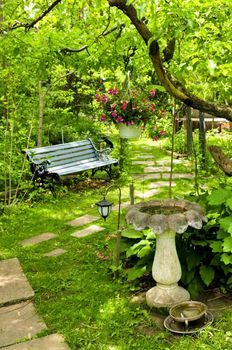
(187, 311)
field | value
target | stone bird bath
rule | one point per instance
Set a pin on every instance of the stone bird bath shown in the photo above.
(166, 218)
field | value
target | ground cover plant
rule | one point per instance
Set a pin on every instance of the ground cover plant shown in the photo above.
(77, 294)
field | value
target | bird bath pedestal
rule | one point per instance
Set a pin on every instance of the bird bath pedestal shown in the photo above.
(166, 218)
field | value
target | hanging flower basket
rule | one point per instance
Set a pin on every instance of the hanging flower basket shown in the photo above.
(129, 131)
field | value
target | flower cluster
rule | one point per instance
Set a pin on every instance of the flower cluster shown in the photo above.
(132, 109)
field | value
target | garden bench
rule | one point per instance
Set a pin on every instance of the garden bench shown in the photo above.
(69, 158)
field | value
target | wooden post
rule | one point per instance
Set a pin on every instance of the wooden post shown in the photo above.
(132, 194)
(189, 131)
(202, 138)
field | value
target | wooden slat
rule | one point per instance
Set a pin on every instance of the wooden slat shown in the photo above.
(66, 156)
(61, 146)
(56, 167)
(79, 168)
(49, 155)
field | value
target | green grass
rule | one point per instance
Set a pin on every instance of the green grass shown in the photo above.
(76, 293)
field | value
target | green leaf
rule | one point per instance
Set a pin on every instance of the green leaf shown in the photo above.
(144, 251)
(226, 223)
(136, 272)
(219, 196)
(216, 247)
(130, 233)
(227, 245)
(226, 258)
(136, 248)
(229, 203)
(207, 274)
(193, 260)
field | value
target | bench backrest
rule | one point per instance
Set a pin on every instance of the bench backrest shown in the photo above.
(58, 155)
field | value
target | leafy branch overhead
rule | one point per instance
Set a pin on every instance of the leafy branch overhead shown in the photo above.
(155, 55)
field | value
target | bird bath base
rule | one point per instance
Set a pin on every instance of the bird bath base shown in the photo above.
(166, 295)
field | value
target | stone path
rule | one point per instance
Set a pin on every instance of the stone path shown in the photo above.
(14, 286)
(38, 239)
(18, 319)
(19, 322)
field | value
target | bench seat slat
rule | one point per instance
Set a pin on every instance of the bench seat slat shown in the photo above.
(83, 167)
(67, 156)
(50, 155)
(61, 165)
(61, 146)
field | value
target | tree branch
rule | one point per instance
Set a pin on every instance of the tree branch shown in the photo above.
(33, 23)
(154, 52)
(85, 47)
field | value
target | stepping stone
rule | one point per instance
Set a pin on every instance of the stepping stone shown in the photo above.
(157, 169)
(143, 162)
(56, 252)
(160, 184)
(178, 176)
(146, 194)
(50, 342)
(83, 220)
(146, 156)
(87, 231)
(19, 321)
(123, 205)
(38, 239)
(14, 286)
(143, 177)
(175, 161)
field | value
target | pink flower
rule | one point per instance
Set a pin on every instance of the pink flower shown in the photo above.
(110, 91)
(152, 92)
(152, 107)
(98, 97)
(120, 119)
(155, 138)
(112, 106)
(104, 99)
(162, 132)
(114, 113)
(103, 117)
(124, 105)
(115, 91)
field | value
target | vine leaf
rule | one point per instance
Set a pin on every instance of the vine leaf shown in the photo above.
(218, 197)
(227, 245)
(207, 274)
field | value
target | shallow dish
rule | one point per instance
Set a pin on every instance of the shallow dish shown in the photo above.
(187, 311)
(193, 327)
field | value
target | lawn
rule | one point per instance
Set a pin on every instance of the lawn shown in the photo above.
(76, 293)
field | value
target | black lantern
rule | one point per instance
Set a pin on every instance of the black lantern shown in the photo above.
(104, 208)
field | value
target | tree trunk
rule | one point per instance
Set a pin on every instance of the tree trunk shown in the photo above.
(41, 113)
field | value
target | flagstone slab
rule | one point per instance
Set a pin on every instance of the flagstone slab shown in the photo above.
(143, 162)
(49, 342)
(14, 285)
(83, 220)
(146, 156)
(161, 184)
(147, 194)
(56, 252)
(178, 176)
(123, 205)
(38, 239)
(143, 177)
(87, 231)
(19, 321)
(175, 161)
(157, 169)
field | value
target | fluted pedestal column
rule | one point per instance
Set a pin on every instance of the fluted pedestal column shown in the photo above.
(166, 271)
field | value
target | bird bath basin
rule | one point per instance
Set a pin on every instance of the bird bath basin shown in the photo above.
(166, 218)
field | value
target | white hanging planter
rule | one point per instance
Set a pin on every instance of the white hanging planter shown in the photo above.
(129, 131)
